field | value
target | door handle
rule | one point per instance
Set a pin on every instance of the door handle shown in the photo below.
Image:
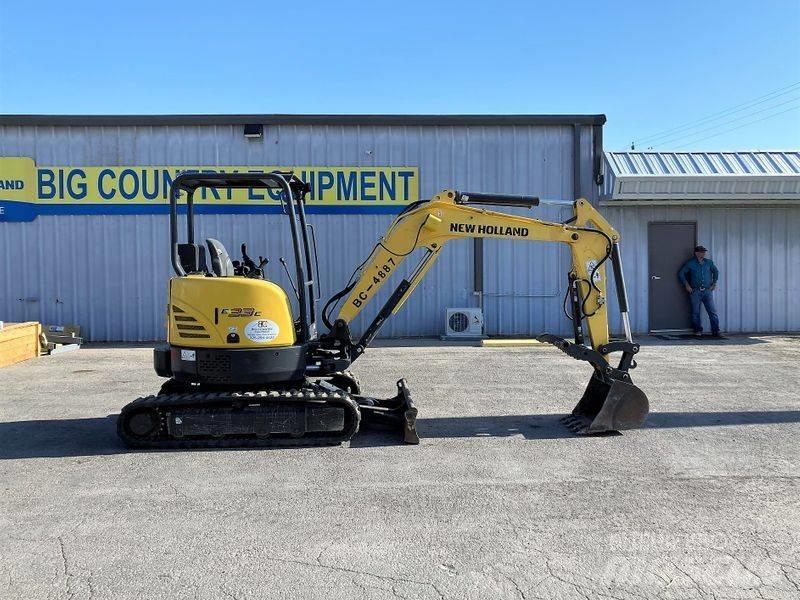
(655, 277)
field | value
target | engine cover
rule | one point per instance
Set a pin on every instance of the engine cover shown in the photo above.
(228, 312)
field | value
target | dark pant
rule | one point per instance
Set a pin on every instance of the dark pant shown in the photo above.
(706, 298)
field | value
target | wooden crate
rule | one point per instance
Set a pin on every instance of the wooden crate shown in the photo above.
(18, 342)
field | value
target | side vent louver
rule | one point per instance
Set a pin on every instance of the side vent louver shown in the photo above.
(187, 326)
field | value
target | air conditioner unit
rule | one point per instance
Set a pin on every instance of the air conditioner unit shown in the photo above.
(463, 323)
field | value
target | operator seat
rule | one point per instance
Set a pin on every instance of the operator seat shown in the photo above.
(221, 264)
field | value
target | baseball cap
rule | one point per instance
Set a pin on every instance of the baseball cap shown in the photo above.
(700, 249)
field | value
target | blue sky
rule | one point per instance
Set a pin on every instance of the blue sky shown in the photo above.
(649, 66)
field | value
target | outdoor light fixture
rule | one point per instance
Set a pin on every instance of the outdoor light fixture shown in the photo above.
(253, 131)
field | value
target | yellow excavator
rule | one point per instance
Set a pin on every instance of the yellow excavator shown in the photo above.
(243, 370)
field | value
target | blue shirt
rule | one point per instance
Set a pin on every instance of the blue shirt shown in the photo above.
(699, 274)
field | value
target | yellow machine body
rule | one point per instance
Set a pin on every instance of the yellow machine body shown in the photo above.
(228, 312)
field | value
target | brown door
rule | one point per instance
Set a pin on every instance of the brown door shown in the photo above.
(669, 245)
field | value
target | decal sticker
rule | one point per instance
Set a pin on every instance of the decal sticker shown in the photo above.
(188, 355)
(489, 229)
(261, 331)
(590, 265)
(247, 311)
(380, 275)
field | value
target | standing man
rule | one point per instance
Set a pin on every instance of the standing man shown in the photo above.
(699, 275)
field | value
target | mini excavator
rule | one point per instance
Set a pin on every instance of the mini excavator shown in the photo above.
(243, 370)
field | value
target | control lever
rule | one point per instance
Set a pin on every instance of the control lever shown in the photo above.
(248, 262)
(248, 267)
(285, 268)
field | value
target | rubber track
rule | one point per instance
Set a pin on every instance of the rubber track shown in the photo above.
(163, 402)
(348, 375)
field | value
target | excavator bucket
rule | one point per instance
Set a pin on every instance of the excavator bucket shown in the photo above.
(608, 405)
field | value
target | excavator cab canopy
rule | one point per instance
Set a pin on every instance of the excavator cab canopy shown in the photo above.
(188, 257)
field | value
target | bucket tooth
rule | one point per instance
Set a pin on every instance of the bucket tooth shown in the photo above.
(575, 424)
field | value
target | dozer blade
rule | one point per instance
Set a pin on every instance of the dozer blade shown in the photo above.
(608, 407)
(394, 413)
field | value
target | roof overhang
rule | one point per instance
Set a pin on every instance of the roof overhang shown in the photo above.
(701, 177)
(284, 119)
(704, 187)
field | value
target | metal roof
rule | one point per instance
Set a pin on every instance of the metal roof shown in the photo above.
(432, 120)
(704, 163)
(683, 176)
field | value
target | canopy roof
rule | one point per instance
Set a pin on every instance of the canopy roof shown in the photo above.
(756, 175)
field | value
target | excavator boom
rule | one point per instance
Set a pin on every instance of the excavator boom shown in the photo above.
(611, 401)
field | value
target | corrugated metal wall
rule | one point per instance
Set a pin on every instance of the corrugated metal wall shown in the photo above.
(109, 273)
(756, 249)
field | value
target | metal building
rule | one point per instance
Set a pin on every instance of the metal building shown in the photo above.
(743, 206)
(76, 257)
(83, 259)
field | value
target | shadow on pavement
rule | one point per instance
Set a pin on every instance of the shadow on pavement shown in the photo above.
(548, 426)
(97, 436)
(117, 345)
(56, 438)
(670, 420)
(705, 340)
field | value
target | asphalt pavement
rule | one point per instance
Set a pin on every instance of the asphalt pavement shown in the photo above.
(499, 500)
